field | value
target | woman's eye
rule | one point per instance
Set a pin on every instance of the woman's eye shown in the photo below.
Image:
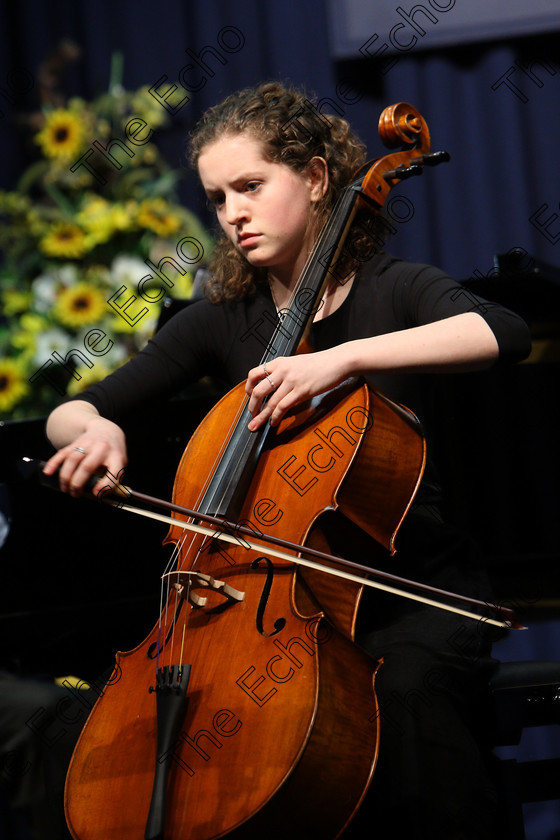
(215, 202)
(252, 186)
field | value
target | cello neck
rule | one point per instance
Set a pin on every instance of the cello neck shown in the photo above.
(306, 300)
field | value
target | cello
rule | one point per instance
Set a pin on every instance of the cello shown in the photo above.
(248, 709)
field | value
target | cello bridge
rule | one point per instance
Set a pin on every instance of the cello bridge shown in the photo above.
(185, 582)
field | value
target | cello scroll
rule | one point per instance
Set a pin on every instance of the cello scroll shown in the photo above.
(399, 125)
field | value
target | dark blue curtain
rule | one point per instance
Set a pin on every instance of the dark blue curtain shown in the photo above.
(493, 106)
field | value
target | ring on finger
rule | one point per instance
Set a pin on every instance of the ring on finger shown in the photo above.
(80, 449)
(266, 373)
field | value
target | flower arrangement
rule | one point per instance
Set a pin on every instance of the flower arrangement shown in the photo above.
(72, 236)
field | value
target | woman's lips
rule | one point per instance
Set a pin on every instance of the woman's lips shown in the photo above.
(248, 239)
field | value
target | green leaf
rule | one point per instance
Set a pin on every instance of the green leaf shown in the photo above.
(64, 204)
(116, 77)
(35, 171)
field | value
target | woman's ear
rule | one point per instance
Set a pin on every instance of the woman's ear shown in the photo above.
(318, 178)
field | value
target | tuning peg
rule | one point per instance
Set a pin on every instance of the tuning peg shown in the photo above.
(402, 172)
(432, 159)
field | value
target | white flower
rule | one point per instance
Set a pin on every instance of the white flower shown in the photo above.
(49, 341)
(127, 271)
(44, 290)
(46, 287)
(102, 345)
(67, 275)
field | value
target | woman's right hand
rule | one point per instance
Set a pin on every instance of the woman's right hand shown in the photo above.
(93, 447)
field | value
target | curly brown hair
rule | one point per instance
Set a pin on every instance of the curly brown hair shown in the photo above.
(292, 132)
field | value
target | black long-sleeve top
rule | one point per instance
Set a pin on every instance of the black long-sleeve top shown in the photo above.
(226, 340)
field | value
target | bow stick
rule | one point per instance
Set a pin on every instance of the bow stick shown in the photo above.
(508, 622)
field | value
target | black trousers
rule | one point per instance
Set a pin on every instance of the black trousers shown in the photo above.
(433, 776)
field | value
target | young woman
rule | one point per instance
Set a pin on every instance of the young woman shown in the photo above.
(273, 180)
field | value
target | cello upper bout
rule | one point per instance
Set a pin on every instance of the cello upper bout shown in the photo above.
(380, 486)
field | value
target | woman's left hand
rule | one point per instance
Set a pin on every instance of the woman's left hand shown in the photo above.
(462, 342)
(292, 380)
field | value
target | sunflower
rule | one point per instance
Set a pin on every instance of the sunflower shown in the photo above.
(64, 240)
(101, 219)
(13, 387)
(80, 305)
(155, 215)
(62, 135)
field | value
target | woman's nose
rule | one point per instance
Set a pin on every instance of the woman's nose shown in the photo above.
(236, 210)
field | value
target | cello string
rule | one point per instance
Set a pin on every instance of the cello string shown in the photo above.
(172, 605)
(164, 649)
(174, 561)
(185, 598)
(185, 624)
(179, 550)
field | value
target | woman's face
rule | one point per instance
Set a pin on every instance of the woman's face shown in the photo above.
(265, 208)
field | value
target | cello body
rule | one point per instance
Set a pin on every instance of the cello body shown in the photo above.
(278, 733)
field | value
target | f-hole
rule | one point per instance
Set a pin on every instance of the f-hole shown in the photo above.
(153, 651)
(280, 623)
